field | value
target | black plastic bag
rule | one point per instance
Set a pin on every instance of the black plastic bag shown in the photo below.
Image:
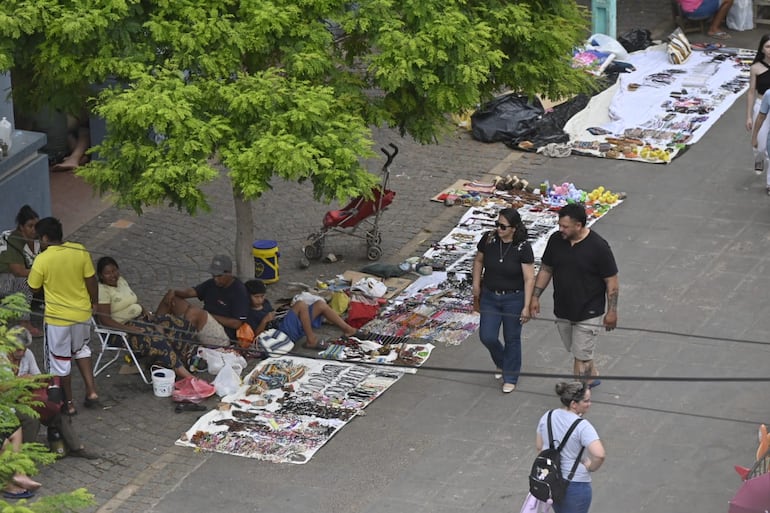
(384, 270)
(549, 128)
(507, 117)
(636, 39)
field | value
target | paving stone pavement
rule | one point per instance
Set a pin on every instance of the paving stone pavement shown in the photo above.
(450, 442)
(165, 248)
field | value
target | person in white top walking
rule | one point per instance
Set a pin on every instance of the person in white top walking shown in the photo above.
(584, 443)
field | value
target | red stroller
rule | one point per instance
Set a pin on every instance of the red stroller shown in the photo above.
(346, 220)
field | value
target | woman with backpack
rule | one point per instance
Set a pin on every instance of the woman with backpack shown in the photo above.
(503, 281)
(581, 454)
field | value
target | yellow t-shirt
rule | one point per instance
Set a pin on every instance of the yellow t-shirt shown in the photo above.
(124, 304)
(62, 270)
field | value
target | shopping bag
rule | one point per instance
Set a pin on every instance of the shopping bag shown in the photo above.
(228, 380)
(533, 505)
(740, 16)
(217, 358)
(192, 390)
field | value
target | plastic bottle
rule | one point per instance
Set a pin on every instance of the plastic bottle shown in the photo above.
(6, 129)
(56, 442)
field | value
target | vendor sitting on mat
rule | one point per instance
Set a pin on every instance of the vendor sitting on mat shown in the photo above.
(299, 321)
(224, 297)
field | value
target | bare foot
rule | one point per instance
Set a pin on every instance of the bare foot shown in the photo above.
(26, 482)
(70, 163)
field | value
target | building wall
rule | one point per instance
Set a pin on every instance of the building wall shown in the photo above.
(24, 172)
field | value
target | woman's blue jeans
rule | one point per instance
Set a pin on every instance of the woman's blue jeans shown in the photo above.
(576, 500)
(502, 310)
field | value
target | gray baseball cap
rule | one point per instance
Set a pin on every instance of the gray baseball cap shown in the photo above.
(221, 264)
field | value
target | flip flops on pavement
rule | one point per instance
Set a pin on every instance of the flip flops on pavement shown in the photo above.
(720, 35)
(24, 494)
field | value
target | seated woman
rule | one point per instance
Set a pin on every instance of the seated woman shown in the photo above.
(299, 321)
(164, 338)
(23, 364)
(17, 251)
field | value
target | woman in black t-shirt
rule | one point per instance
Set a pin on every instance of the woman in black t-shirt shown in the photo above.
(503, 281)
(759, 83)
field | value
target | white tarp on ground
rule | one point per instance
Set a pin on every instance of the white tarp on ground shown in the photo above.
(311, 401)
(703, 89)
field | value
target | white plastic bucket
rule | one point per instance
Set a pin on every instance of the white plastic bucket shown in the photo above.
(162, 382)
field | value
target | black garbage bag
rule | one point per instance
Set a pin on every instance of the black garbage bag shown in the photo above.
(549, 128)
(507, 117)
(636, 39)
(384, 270)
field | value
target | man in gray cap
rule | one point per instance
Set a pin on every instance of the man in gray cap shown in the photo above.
(224, 297)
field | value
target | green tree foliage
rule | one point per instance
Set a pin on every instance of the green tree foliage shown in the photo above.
(266, 89)
(16, 396)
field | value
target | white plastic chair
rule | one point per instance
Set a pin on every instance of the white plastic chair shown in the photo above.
(114, 341)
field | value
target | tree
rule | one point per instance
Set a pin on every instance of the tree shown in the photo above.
(17, 396)
(262, 89)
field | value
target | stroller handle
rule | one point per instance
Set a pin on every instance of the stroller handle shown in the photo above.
(390, 155)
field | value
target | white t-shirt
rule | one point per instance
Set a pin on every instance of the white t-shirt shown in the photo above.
(28, 365)
(583, 435)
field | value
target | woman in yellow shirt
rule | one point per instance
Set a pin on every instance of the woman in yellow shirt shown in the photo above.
(164, 338)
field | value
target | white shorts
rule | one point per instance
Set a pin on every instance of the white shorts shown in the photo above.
(65, 343)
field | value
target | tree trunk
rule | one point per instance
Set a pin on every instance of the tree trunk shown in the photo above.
(244, 236)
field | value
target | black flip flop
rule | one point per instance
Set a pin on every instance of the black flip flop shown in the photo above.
(92, 403)
(180, 407)
(24, 494)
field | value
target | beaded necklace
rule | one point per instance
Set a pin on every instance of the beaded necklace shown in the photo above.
(502, 255)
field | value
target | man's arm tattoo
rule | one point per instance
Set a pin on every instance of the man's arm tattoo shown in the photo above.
(612, 301)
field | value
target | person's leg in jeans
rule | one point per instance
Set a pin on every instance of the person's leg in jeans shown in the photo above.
(512, 304)
(762, 139)
(576, 500)
(489, 326)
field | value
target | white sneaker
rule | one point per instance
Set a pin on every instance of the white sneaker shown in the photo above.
(498, 374)
(508, 388)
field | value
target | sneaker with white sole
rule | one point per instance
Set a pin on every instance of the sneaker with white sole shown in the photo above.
(508, 387)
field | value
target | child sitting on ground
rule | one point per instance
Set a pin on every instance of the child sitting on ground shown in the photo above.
(298, 322)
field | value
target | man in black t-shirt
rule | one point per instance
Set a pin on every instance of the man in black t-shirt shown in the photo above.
(585, 283)
(224, 296)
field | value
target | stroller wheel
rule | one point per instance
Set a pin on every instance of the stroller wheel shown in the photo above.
(374, 253)
(373, 237)
(313, 251)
